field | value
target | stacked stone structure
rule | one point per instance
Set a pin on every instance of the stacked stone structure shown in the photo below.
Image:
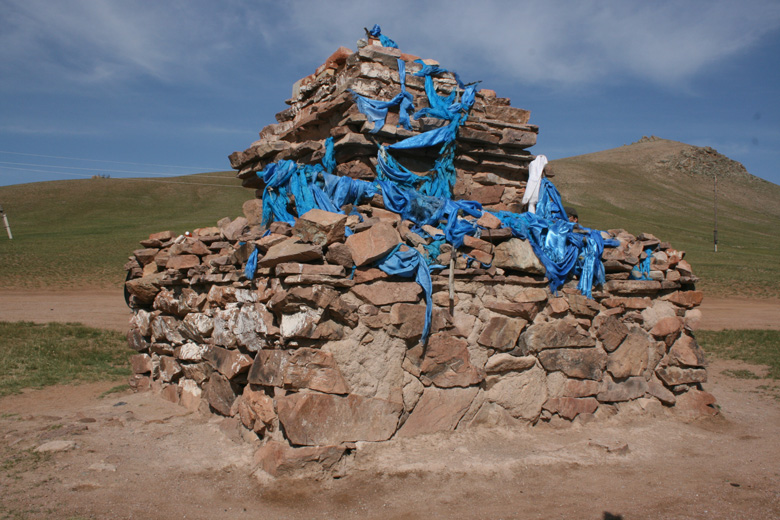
(317, 349)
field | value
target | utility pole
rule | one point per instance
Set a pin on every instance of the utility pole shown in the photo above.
(715, 233)
(5, 223)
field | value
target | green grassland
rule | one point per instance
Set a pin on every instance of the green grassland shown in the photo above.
(34, 355)
(79, 233)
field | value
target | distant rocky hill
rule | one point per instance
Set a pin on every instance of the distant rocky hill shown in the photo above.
(696, 160)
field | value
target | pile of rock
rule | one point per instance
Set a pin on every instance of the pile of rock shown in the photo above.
(316, 349)
(323, 350)
(491, 161)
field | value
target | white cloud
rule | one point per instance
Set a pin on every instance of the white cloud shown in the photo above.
(543, 43)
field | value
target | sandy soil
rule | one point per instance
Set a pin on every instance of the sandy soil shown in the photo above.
(138, 456)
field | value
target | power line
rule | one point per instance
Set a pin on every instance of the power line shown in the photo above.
(101, 160)
(103, 169)
(125, 178)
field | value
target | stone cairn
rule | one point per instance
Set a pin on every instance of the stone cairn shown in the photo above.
(320, 350)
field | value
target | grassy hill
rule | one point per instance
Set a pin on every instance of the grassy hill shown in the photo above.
(666, 188)
(79, 233)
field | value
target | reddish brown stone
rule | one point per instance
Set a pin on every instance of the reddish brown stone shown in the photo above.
(229, 363)
(372, 244)
(631, 388)
(501, 332)
(256, 410)
(686, 352)
(290, 251)
(556, 334)
(489, 221)
(300, 368)
(571, 407)
(282, 460)
(321, 227)
(632, 286)
(687, 299)
(582, 363)
(145, 289)
(487, 194)
(162, 236)
(324, 419)
(611, 331)
(667, 325)
(580, 388)
(219, 393)
(297, 268)
(340, 254)
(673, 376)
(182, 262)
(438, 410)
(631, 357)
(141, 363)
(384, 293)
(526, 310)
(697, 403)
(447, 362)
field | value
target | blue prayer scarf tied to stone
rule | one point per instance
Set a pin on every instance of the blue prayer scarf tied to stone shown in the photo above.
(427, 200)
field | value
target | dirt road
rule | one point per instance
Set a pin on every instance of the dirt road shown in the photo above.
(138, 456)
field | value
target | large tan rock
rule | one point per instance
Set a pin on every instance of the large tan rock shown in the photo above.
(631, 388)
(502, 332)
(373, 243)
(312, 419)
(631, 357)
(571, 407)
(311, 462)
(146, 288)
(229, 363)
(582, 363)
(522, 394)
(256, 410)
(447, 362)
(253, 211)
(502, 362)
(219, 393)
(611, 331)
(301, 368)
(438, 410)
(686, 352)
(555, 334)
(384, 293)
(518, 255)
(672, 376)
(320, 227)
(290, 250)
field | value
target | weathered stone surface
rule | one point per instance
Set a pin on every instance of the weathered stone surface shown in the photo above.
(190, 394)
(340, 254)
(571, 407)
(666, 326)
(555, 334)
(687, 299)
(631, 388)
(170, 369)
(582, 363)
(291, 250)
(518, 255)
(145, 288)
(631, 357)
(219, 393)
(660, 309)
(672, 376)
(320, 227)
(384, 293)
(56, 446)
(253, 211)
(501, 362)
(224, 324)
(312, 462)
(190, 351)
(300, 324)
(580, 388)
(525, 310)
(256, 410)
(686, 352)
(611, 331)
(408, 320)
(373, 243)
(696, 403)
(522, 394)
(632, 286)
(373, 366)
(229, 363)
(182, 262)
(438, 410)
(300, 368)
(297, 268)
(312, 419)
(447, 362)
(502, 332)
(660, 392)
(234, 229)
(141, 363)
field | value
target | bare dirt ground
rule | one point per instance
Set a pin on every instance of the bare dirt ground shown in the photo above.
(138, 456)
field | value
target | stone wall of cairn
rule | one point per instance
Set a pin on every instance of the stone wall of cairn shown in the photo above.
(320, 350)
(491, 161)
(314, 354)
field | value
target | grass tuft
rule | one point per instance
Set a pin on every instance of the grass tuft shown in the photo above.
(37, 355)
(760, 347)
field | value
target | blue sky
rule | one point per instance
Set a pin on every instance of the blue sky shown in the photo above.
(133, 88)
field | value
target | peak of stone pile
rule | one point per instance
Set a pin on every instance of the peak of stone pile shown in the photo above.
(491, 159)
